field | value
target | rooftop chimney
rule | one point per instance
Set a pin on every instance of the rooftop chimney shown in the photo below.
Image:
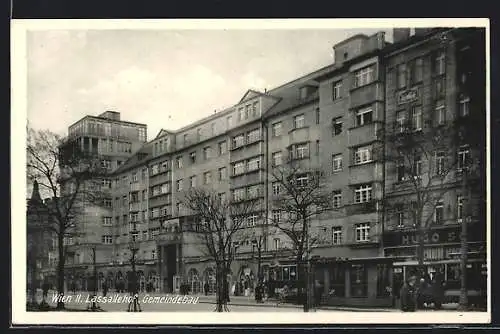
(400, 34)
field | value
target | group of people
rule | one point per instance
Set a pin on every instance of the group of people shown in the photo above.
(416, 294)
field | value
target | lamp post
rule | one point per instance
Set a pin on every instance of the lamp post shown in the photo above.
(134, 305)
(94, 306)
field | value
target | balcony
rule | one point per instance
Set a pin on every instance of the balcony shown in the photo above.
(366, 94)
(361, 208)
(367, 172)
(365, 134)
(299, 135)
(135, 186)
(135, 207)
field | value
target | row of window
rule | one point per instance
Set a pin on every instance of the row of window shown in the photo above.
(251, 137)
(245, 193)
(246, 166)
(411, 73)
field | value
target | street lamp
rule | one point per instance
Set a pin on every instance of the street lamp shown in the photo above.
(134, 305)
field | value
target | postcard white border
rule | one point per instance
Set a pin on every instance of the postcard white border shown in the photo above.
(18, 180)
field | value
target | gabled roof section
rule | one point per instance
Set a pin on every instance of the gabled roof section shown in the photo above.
(251, 93)
(138, 158)
(162, 133)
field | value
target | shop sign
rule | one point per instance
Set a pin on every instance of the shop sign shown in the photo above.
(446, 235)
(407, 96)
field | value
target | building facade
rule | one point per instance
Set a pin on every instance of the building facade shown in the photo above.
(331, 120)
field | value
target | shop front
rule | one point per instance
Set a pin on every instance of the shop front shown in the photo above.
(441, 260)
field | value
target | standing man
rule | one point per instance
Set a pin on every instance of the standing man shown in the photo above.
(409, 295)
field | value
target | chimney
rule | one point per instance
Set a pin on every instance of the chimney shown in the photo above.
(400, 34)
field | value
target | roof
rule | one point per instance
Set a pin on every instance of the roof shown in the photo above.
(145, 151)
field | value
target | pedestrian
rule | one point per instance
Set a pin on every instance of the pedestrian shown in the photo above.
(205, 288)
(104, 289)
(409, 295)
(45, 290)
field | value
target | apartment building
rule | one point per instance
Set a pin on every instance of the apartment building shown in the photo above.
(331, 120)
(436, 78)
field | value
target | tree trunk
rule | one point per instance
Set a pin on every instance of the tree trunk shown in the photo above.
(60, 270)
(221, 286)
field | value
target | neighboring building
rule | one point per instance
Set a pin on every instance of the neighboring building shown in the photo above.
(114, 141)
(436, 78)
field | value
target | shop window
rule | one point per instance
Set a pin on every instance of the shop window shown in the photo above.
(384, 288)
(359, 281)
(337, 281)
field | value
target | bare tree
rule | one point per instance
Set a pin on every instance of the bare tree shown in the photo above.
(221, 222)
(422, 158)
(301, 195)
(69, 175)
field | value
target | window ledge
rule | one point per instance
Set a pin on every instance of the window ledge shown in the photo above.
(295, 129)
(363, 163)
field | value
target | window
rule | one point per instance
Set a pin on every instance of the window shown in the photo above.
(241, 114)
(460, 207)
(362, 154)
(107, 239)
(252, 220)
(106, 164)
(276, 129)
(186, 139)
(364, 116)
(107, 203)
(363, 194)
(337, 279)
(439, 87)
(206, 153)
(362, 232)
(179, 185)
(337, 199)
(277, 159)
(440, 161)
(417, 165)
(253, 164)
(212, 129)
(253, 136)
(337, 90)
(276, 243)
(302, 180)
(359, 281)
(463, 157)
(238, 141)
(337, 162)
(276, 188)
(192, 157)
(255, 109)
(207, 178)
(198, 134)
(145, 235)
(239, 168)
(276, 216)
(222, 147)
(337, 235)
(463, 109)
(417, 118)
(363, 77)
(401, 121)
(178, 162)
(154, 232)
(440, 114)
(238, 194)
(318, 116)
(222, 198)
(229, 122)
(416, 70)
(337, 126)
(383, 280)
(106, 183)
(298, 121)
(401, 81)
(301, 151)
(155, 169)
(192, 181)
(400, 215)
(222, 173)
(440, 63)
(253, 191)
(439, 213)
(107, 221)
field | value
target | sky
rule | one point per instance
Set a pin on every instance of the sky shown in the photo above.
(164, 78)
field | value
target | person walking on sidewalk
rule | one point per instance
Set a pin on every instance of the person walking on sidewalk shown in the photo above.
(409, 295)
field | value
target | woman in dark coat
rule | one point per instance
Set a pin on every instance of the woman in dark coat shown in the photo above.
(409, 295)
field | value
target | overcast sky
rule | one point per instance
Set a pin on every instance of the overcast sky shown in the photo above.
(165, 79)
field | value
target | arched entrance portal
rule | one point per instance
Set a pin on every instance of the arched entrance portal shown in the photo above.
(194, 282)
(246, 282)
